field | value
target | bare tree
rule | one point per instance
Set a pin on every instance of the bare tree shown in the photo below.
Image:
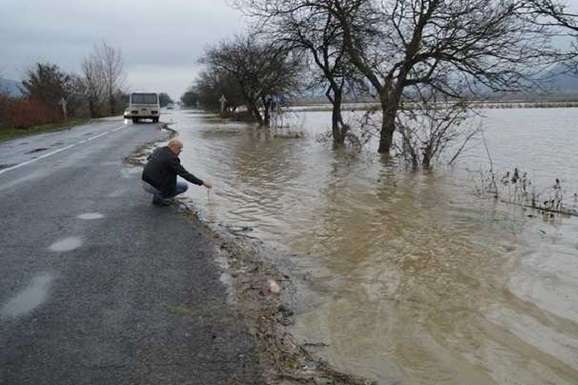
(315, 31)
(93, 81)
(456, 47)
(75, 102)
(263, 71)
(212, 84)
(112, 67)
(452, 47)
(103, 79)
(556, 14)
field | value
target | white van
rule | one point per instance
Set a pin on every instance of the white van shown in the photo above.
(143, 105)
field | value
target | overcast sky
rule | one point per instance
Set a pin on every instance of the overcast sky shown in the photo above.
(160, 40)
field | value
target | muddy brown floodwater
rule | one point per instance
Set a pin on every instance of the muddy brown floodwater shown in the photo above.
(410, 279)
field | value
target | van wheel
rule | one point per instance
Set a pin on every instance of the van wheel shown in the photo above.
(155, 120)
(134, 120)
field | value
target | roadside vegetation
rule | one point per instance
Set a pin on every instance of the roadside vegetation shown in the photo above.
(425, 63)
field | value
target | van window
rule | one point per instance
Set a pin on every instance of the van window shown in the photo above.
(143, 98)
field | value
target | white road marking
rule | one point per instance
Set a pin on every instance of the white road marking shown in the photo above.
(66, 244)
(60, 150)
(90, 216)
(28, 299)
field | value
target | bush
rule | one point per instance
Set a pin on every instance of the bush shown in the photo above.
(26, 113)
(4, 104)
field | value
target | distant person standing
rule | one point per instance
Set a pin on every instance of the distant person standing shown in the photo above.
(160, 174)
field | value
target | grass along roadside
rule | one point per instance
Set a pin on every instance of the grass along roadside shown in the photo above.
(13, 133)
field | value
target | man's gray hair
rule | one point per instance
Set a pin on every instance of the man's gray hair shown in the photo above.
(174, 142)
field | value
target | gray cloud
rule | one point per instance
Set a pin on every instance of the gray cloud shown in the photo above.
(160, 41)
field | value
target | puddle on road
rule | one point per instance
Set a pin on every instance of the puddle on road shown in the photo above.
(40, 149)
(66, 244)
(91, 216)
(30, 298)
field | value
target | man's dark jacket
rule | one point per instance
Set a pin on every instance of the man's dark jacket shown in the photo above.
(162, 169)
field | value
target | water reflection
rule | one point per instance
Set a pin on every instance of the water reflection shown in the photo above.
(417, 282)
(415, 286)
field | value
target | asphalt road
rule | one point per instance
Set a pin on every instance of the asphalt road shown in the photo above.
(98, 286)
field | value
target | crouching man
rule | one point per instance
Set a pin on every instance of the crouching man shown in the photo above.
(160, 174)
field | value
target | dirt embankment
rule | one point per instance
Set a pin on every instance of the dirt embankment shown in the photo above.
(256, 290)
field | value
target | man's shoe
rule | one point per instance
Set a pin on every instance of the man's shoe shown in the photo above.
(161, 202)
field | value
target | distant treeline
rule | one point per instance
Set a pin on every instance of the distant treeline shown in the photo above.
(364, 105)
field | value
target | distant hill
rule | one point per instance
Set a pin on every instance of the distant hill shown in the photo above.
(558, 83)
(10, 87)
(560, 79)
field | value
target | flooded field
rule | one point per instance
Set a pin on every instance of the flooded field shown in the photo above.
(412, 279)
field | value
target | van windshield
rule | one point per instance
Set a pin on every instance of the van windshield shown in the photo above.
(143, 98)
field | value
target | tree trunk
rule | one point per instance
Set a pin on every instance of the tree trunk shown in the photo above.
(426, 162)
(267, 112)
(111, 103)
(387, 128)
(339, 129)
(389, 100)
(335, 95)
(254, 110)
(427, 155)
(92, 108)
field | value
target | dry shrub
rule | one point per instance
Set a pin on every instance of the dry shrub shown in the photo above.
(26, 113)
(4, 104)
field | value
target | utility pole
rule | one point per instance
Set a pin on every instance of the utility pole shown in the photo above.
(64, 111)
(223, 100)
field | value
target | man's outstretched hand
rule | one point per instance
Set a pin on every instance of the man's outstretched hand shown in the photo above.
(207, 184)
